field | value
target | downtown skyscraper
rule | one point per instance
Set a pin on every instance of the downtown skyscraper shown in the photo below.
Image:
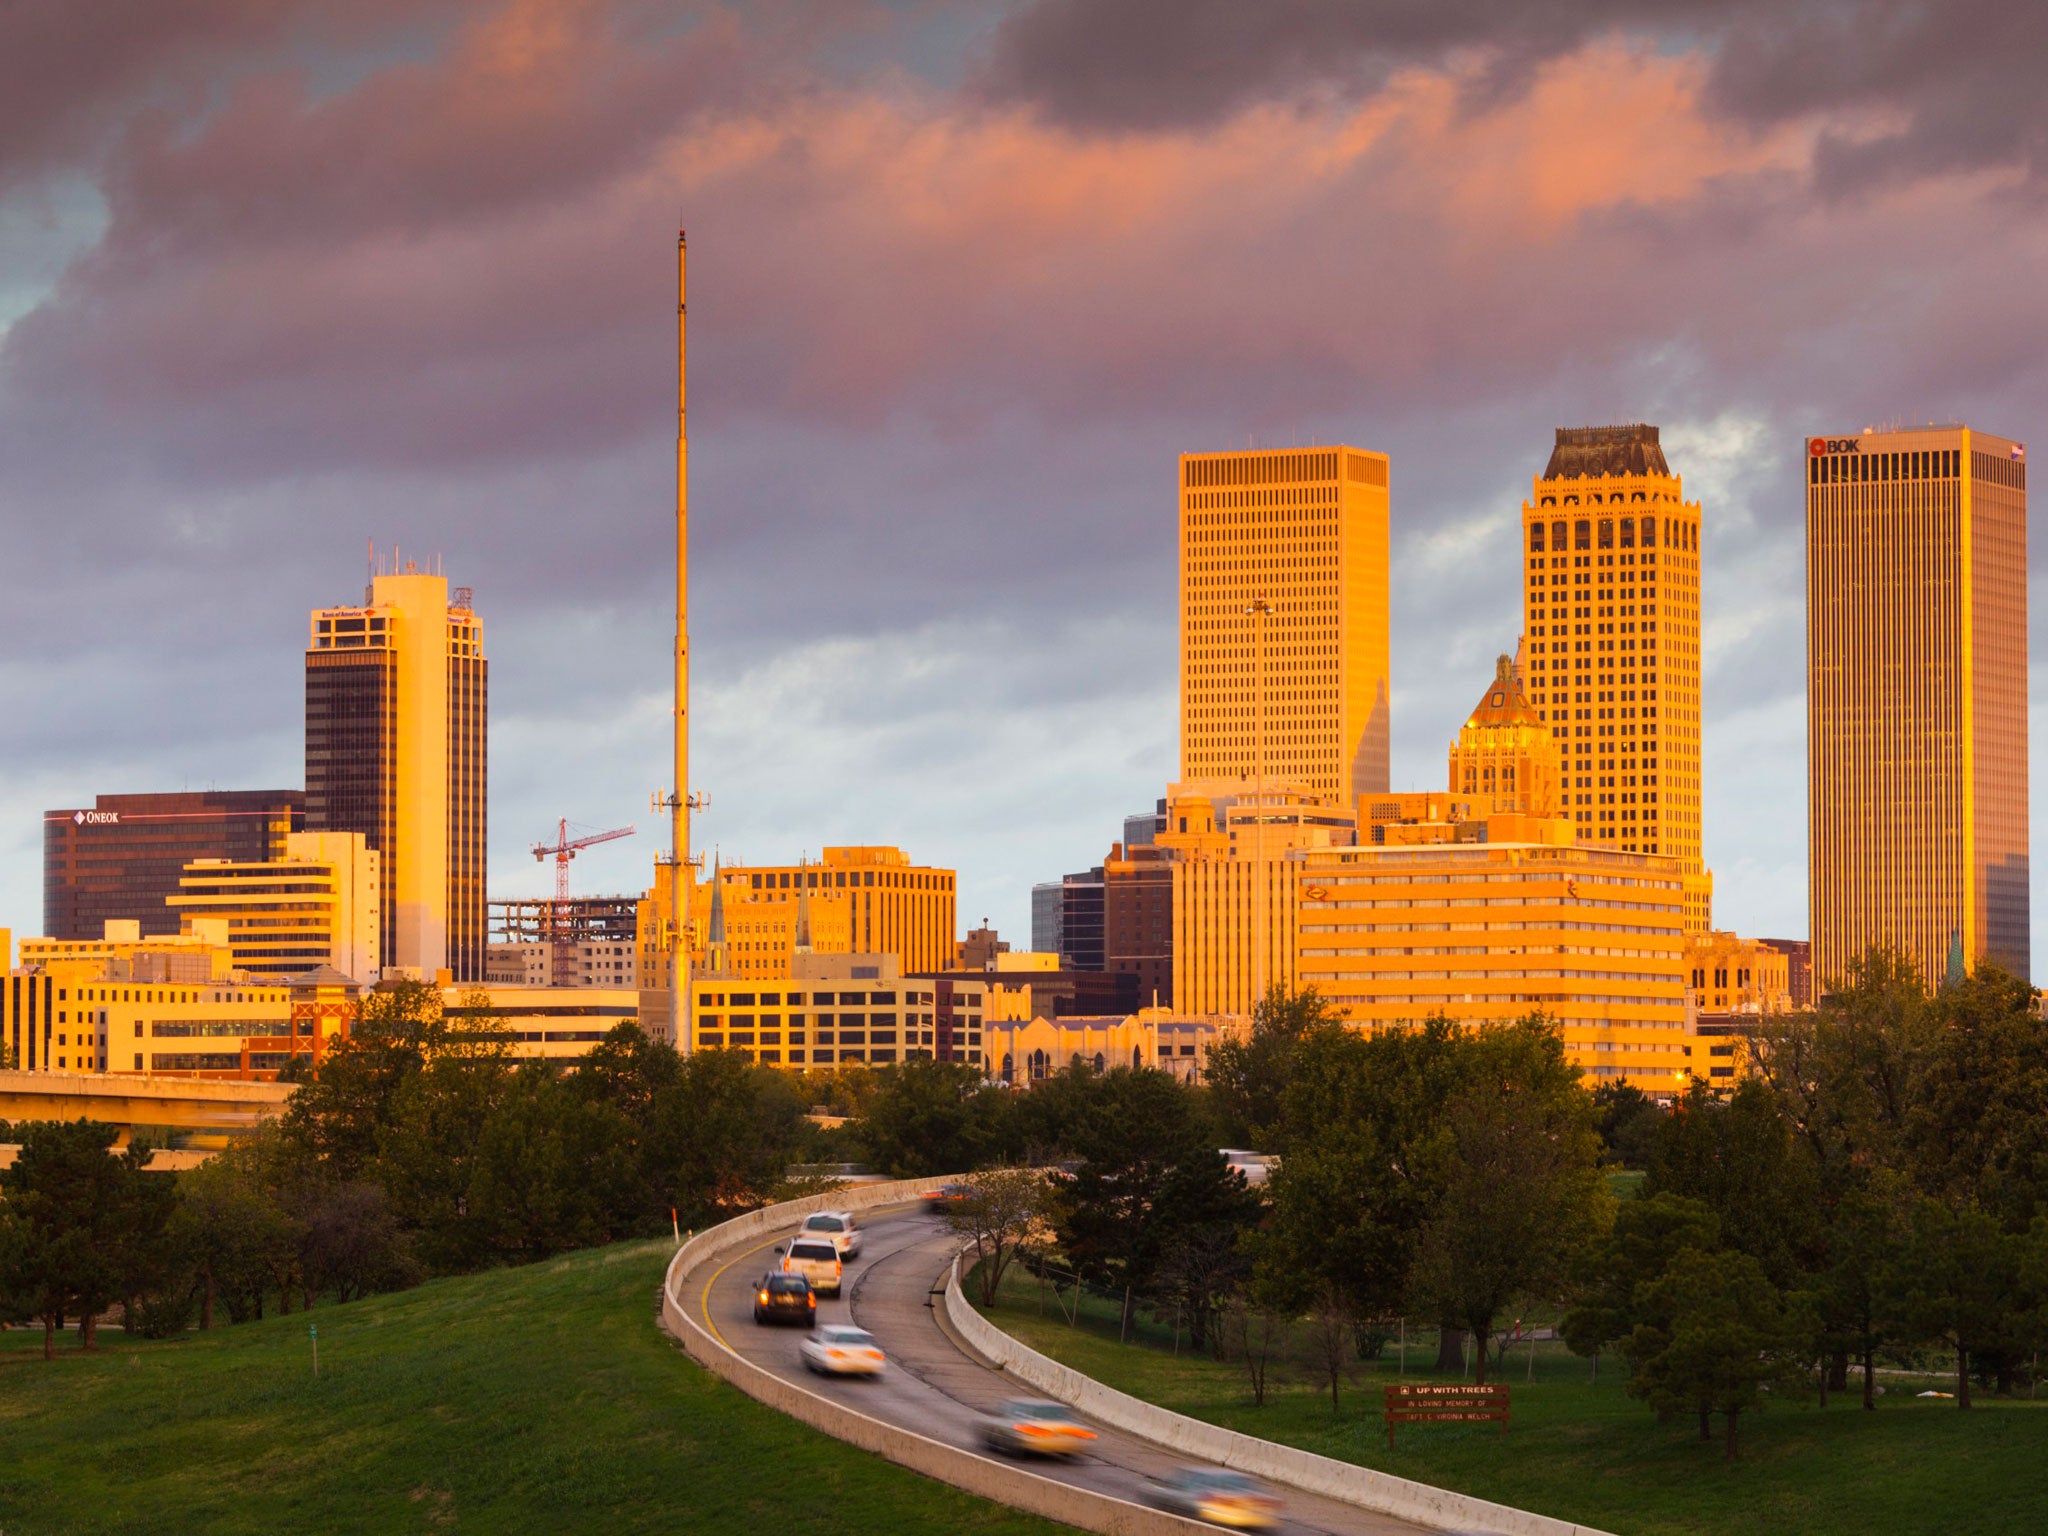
(1611, 554)
(397, 712)
(1284, 619)
(1916, 699)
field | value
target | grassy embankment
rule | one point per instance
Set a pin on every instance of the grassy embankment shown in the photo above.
(1592, 1454)
(542, 1399)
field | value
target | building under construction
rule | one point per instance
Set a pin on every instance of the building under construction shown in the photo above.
(579, 941)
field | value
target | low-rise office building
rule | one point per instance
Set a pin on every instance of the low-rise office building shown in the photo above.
(837, 1010)
(317, 903)
(1486, 931)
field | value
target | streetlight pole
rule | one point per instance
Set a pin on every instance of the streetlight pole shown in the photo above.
(1257, 611)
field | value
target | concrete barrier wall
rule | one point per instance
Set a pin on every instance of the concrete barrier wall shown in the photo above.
(1004, 1483)
(1341, 1480)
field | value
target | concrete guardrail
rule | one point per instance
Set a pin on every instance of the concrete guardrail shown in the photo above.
(1344, 1481)
(989, 1479)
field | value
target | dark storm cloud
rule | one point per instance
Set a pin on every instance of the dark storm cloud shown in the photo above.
(1948, 84)
(1146, 64)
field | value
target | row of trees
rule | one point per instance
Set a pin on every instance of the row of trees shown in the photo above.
(1876, 1189)
(421, 1147)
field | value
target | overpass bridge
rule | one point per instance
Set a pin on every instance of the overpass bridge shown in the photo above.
(176, 1103)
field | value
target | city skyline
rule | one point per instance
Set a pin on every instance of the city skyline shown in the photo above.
(929, 622)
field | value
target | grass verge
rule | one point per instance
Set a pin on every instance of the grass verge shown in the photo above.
(543, 1399)
(1592, 1454)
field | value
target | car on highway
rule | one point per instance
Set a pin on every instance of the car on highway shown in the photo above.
(817, 1260)
(838, 1349)
(1218, 1496)
(949, 1194)
(780, 1298)
(837, 1226)
(1029, 1426)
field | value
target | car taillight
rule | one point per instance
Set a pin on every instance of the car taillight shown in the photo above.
(813, 1300)
(764, 1295)
(873, 1354)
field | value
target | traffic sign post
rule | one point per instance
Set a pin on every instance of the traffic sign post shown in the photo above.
(313, 1332)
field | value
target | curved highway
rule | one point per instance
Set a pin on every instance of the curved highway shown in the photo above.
(932, 1386)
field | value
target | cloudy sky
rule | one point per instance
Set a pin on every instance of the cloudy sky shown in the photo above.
(278, 278)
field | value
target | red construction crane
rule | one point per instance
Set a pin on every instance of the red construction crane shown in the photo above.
(564, 848)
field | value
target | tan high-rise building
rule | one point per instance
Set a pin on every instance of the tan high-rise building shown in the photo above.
(1916, 698)
(1283, 603)
(1611, 549)
(396, 715)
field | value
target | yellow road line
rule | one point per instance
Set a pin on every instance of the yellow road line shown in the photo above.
(704, 1301)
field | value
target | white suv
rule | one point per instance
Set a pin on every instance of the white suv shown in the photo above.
(817, 1260)
(839, 1226)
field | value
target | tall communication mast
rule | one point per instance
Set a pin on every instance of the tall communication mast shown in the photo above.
(678, 802)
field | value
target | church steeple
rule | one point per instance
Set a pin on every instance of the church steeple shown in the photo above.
(714, 942)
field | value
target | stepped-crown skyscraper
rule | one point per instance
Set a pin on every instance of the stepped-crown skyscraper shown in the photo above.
(1916, 698)
(397, 709)
(1611, 550)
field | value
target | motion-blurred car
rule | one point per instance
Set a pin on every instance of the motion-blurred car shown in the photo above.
(1217, 1496)
(949, 1194)
(783, 1298)
(840, 1350)
(817, 1260)
(1027, 1426)
(837, 1227)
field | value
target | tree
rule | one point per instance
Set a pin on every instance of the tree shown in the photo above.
(79, 1221)
(1254, 1333)
(1515, 1171)
(352, 1243)
(551, 1170)
(339, 1116)
(1977, 1128)
(1954, 1278)
(427, 1150)
(718, 1138)
(1628, 1120)
(1328, 1339)
(1715, 1335)
(1004, 1208)
(238, 1228)
(1249, 1076)
(1150, 1177)
(1736, 1157)
(1649, 1234)
(932, 1117)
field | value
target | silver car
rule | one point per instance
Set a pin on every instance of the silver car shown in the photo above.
(1030, 1427)
(842, 1350)
(837, 1227)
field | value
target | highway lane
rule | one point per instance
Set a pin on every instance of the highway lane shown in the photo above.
(931, 1386)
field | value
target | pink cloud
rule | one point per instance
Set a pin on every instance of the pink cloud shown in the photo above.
(465, 256)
